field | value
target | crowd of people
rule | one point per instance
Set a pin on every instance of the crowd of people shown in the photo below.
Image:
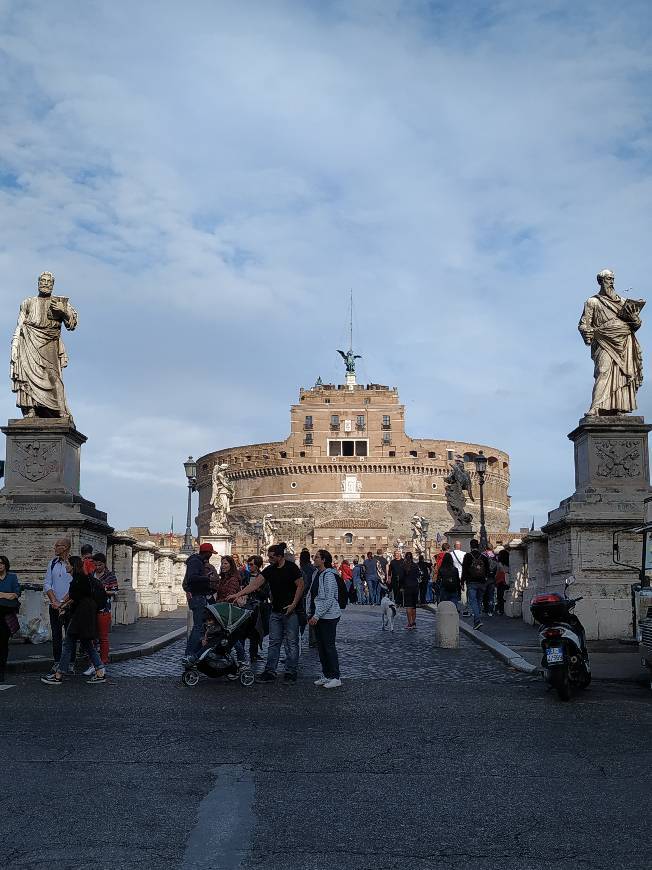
(288, 598)
(80, 590)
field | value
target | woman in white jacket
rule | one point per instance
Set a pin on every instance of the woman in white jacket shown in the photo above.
(324, 615)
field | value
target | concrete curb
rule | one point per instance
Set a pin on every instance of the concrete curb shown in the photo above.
(41, 664)
(502, 652)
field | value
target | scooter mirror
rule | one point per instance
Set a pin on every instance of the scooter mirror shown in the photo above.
(570, 580)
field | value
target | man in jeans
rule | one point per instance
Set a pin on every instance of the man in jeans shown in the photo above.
(286, 589)
(475, 574)
(373, 580)
(196, 585)
(56, 586)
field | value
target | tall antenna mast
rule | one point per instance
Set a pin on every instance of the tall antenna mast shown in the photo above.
(351, 323)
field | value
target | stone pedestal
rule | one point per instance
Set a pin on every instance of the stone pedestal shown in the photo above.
(120, 558)
(464, 536)
(178, 573)
(40, 501)
(518, 577)
(612, 480)
(221, 544)
(147, 595)
(165, 579)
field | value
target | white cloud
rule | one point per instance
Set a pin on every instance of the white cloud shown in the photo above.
(208, 182)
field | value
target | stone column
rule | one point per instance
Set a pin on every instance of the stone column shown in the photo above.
(164, 578)
(147, 595)
(517, 579)
(538, 569)
(179, 572)
(121, 560)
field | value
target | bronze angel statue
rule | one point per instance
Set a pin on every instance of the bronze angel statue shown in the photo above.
(349, 358)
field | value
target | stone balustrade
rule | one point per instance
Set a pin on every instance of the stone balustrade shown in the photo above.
(518, 575)
(144, 574)
(120, 560)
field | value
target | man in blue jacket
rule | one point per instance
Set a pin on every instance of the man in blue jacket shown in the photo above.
(196, 585)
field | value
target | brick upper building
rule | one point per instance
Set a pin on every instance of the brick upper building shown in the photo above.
(348, 478)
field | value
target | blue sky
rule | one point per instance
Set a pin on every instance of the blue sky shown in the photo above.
(208, 180)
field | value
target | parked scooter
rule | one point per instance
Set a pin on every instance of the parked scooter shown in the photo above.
(565, 659)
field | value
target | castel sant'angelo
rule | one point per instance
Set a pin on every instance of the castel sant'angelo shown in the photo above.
(349, 478)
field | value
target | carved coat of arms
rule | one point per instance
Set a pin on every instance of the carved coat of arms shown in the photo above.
(36, 459)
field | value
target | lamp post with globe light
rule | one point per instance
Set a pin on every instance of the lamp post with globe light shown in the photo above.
(481, 468)
(190, 467)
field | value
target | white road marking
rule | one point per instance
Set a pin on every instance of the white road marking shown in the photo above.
(4, 686)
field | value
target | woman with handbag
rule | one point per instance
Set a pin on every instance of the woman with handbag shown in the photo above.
(84, 598)
(9, 606)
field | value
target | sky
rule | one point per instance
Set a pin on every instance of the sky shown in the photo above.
(209, 180)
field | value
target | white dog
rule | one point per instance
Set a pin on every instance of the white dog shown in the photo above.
(388, 612)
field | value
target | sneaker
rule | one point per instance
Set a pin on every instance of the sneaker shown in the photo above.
(89, 671)
(97, 678)
(333, 684)
(289, 678)
(321, 681)
(477, 625)
(266, 677)
(51, 680)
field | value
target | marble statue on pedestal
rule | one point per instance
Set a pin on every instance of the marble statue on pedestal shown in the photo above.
(607, 325)
(38, 355)
(457, 483)
(268, 531)
(419, 534)
(221, 497)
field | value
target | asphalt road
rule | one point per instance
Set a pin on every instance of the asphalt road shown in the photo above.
(424, 759)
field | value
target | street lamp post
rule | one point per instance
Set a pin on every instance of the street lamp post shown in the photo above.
(481, 468)
(190, 467)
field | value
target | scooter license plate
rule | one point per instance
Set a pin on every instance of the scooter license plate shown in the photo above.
(554, 655)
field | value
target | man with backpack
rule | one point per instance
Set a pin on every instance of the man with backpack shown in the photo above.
(56, 585)
(475, 574)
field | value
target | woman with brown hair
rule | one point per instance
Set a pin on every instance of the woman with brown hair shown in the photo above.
(409, 585)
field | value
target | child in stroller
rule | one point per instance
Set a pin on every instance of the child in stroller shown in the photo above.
(225, 625)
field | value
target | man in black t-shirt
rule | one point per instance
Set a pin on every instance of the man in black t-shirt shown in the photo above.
(286, 588)
(395, 576)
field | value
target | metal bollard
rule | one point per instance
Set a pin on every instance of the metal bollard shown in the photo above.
(447, 626)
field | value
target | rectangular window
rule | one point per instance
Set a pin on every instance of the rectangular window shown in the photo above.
(387, 422)
(413, 452)
(308, 422)
(347, 447)
(308, 438)
(392, 453)
(360, 422)
(335, 421)
(387, 437)
(450, 454)
(432, 454)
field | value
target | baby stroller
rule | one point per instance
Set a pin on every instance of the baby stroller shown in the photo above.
(229, 625)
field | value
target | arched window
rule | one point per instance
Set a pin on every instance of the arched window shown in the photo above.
(348, 538)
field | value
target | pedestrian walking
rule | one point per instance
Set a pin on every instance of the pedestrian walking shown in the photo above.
(458, 555)
(286, 588)
(502, 580)
(228, 584)
(324, 610)
(475, 571)
(82, 600)
(450, 585)
(373, 580)
(109, 583)
(197, 586)
(9, 607)
(423, 568)
(409, 588)
(358, 581)
(490, 589)
(394, 577)
(261, 598)
(56, 585)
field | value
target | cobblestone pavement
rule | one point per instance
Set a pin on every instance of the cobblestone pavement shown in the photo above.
(366, 653)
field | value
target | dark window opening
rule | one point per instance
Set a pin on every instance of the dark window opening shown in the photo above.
(432, 454)
(413, 452)
(283, 454)
(308, 422)
(387, 423)
(392, 453)
(308, 438)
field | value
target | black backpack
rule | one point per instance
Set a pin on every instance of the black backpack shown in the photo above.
(447, 574)
(342, 591)
(477, 568)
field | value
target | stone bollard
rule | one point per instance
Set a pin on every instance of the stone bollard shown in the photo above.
(447, 626)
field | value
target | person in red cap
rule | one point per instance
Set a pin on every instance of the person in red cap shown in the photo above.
(196, 585)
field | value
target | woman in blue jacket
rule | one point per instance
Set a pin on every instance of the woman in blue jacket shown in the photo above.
(9, 595)
(324, 615)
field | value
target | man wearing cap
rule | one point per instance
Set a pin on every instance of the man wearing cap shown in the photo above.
(196, 585)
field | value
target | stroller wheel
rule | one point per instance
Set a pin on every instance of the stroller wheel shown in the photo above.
(246, 677)
(190, 678)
